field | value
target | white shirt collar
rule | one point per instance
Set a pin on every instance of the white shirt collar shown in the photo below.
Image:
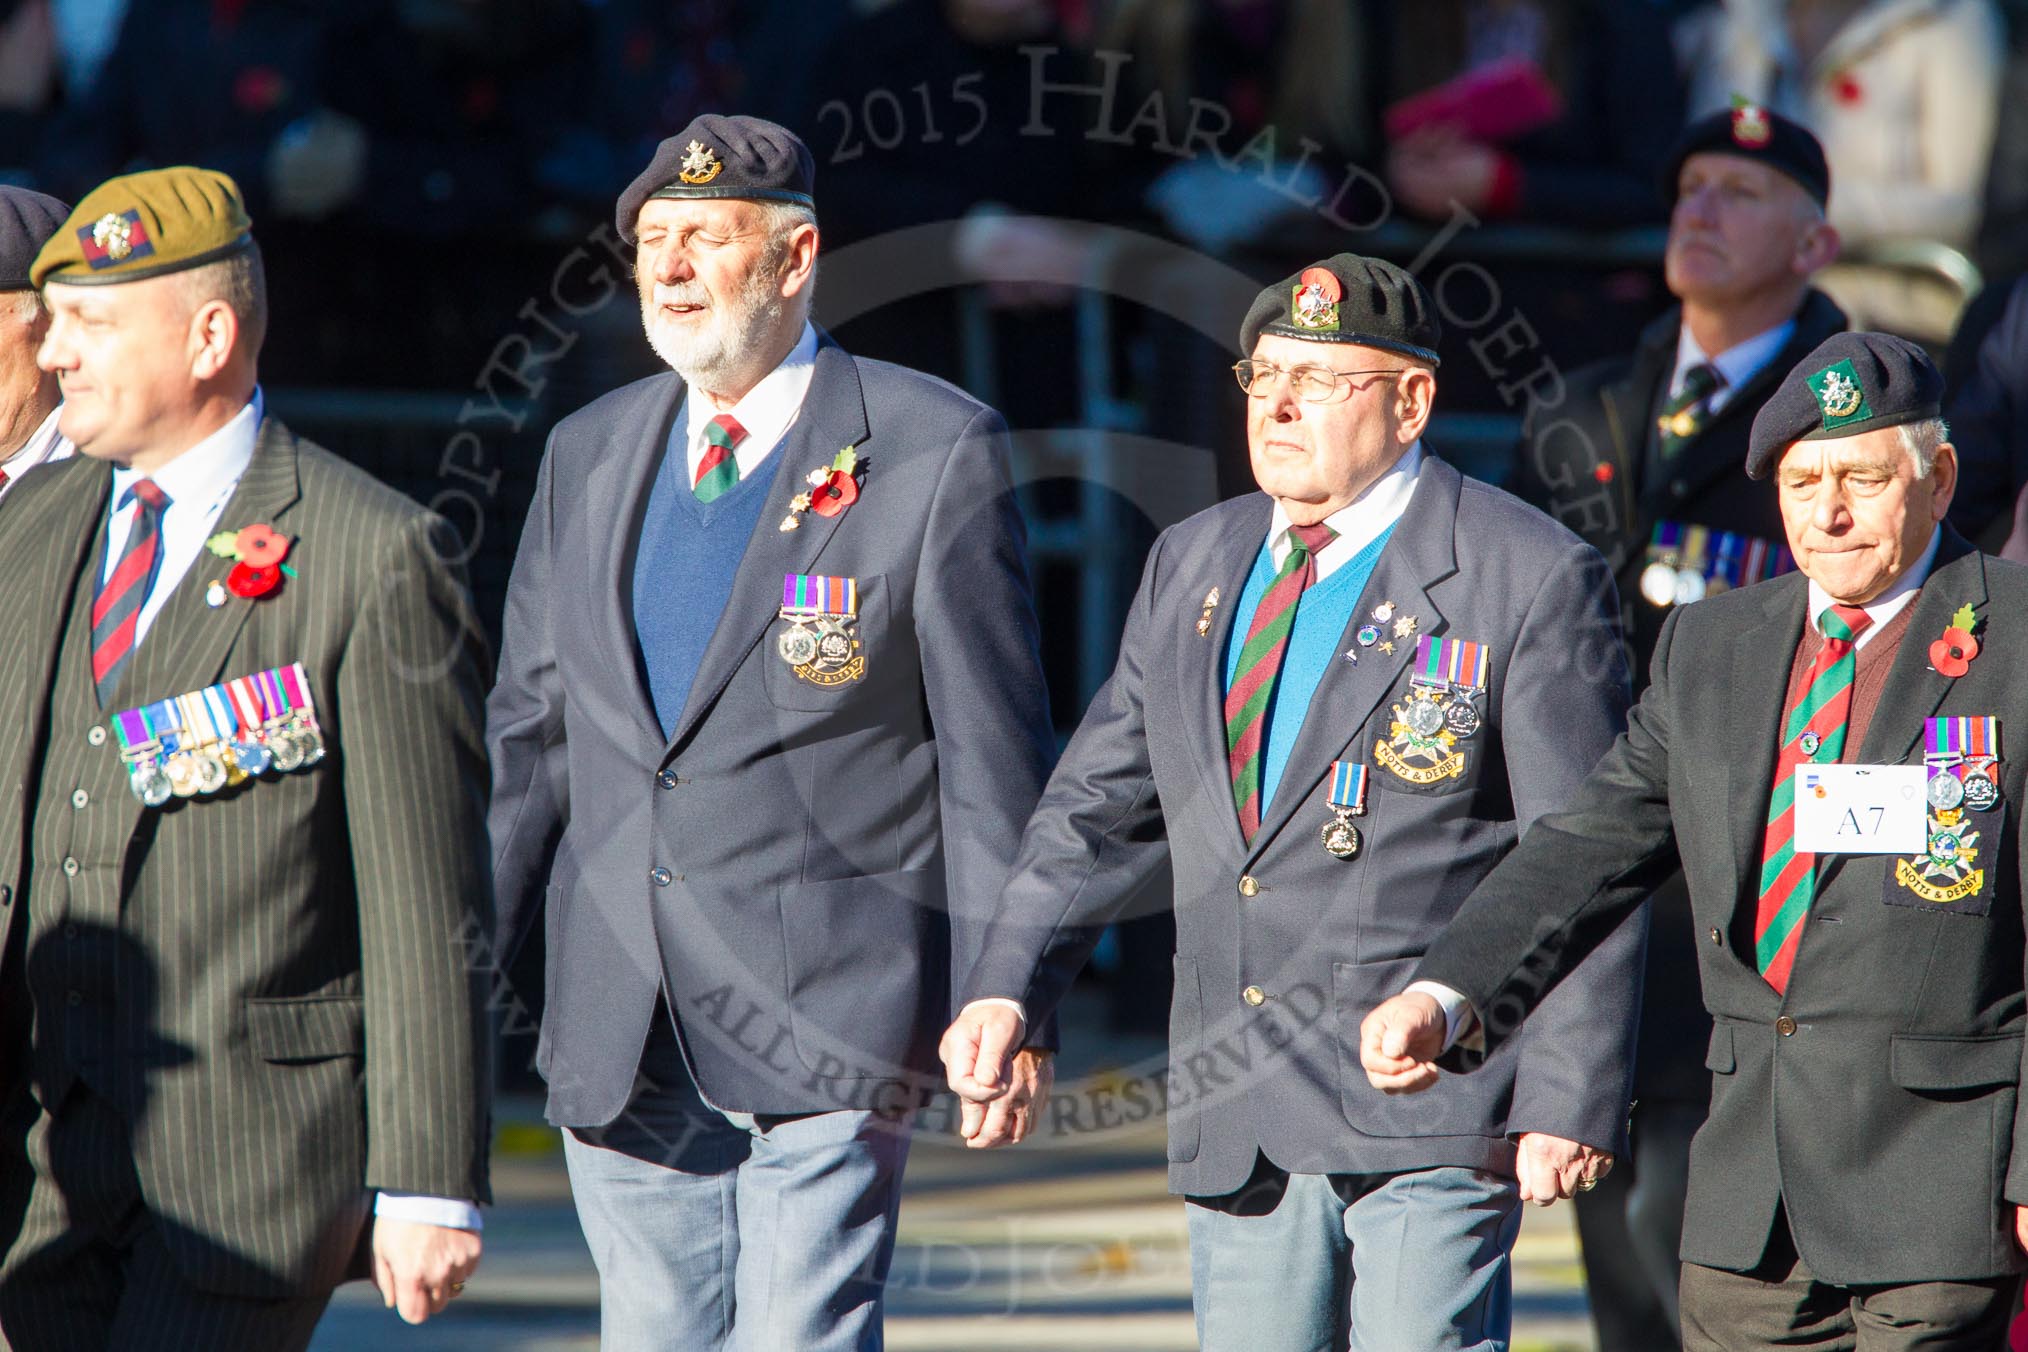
(1737, 364)
(1889, 603)
(45, 445)
(204, 476)
(1360, 522)
(767, 411)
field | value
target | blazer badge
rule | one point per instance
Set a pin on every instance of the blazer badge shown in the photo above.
(821, 644)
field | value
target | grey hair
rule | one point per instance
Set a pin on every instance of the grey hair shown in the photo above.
(1922, 440)
(241, 282)
(782, 218)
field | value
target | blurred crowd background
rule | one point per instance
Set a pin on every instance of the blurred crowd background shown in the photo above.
(1062, 205)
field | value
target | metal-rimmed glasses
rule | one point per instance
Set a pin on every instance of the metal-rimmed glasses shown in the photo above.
(1312, 384)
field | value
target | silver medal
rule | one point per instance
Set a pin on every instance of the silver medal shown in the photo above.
(1689, 586)
(1461, 718)
(1946, 791)
(1341, 837)
(1425, 717)
(797, 646)
(1981, 793)
(1658, 583)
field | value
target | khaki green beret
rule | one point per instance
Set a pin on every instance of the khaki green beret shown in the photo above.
(144, 225)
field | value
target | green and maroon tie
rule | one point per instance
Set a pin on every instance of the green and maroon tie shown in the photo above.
(1260, 662)
(1813, 730)
(718, 471)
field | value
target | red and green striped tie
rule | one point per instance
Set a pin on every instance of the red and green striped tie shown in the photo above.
(1788, 877)
(1260, 661)
(718, 471)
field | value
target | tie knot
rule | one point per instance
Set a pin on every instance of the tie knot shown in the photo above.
(1699, 381)
(148, 494)
(1844, 623)
(1313, 538)
(724, 430)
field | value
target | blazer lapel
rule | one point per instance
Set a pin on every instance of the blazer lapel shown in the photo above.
(1761, 658)
(187, 644)
(1421, 552)
(1914, 688)
(1200, 661)
(833, 416)
(624, 476)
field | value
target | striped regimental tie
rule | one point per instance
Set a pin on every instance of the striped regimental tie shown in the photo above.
(718, 471)
(1683, 416)
(1788, 877)
(1260, 661)
(116, 612)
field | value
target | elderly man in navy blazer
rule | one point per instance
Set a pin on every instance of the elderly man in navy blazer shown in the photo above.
(1338, 703)
(770, 712)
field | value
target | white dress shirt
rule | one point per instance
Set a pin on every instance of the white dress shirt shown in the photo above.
(1881, 609)
(1735, 366)
(199, 483)
(767, 411)
(1358, 524)
(45, 446)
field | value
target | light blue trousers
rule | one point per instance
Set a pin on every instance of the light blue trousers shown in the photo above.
(1415, 1262)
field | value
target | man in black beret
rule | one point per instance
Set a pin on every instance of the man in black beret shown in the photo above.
(1826, 757)
(769, 718)
(29, 395)
(1642, 458)
(1338, 701)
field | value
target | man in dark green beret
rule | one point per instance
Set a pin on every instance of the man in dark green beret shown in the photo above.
(243, 712)
(1338, 701)
(1829, 758)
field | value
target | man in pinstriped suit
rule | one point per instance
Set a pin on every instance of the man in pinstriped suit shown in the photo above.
(256, 1056)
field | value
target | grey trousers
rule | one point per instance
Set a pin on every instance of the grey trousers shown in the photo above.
(85, 1268)
(715, 1230)
(1415, 1262)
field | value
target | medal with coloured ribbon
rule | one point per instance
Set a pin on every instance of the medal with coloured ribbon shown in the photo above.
(1441, 710)
(206, 740)
(1687, 563)
(1348, 800)
(821, 644)
(1960, 756)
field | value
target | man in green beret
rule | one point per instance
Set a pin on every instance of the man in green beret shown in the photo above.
(242, 704)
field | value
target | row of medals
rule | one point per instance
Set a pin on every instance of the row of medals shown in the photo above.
(285, 745)
(1976, 791)
(1427, 715)
(1664, 584)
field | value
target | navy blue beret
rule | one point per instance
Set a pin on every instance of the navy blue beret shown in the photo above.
(723, 157)
(1851, 383)
(1755, 133)
(27, 220)
(1348, 299)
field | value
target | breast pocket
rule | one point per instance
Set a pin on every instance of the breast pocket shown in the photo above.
(825, 662)
(1428, 743)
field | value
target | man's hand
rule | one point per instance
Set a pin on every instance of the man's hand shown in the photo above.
(2021, 1226)
(978, 1051)
(1552, 1168)
(1009, 1118)
(418, 1268)
(1399, 1041)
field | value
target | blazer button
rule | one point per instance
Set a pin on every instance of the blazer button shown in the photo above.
(1716, 937)
(80, 798)
(1254, 995)
(1249, 886)
(660, 876)
(6, 894)
(70, 868)
(1786, 1026)
(667, 779)
(97, 736)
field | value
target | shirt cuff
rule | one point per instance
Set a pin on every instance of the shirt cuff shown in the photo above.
(450, 1212)
(1457, 1009)
(1020, 1010)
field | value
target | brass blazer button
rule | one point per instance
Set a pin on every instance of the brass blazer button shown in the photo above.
(1786, 1026)
(1249, 886)
(1715, 937)
(660, 876)
(1254, 995)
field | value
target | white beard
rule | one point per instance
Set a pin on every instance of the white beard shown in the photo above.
(709, 354)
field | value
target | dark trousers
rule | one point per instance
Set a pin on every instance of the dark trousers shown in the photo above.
(1781, 1304)
(85, 1267)
(1631, 1227)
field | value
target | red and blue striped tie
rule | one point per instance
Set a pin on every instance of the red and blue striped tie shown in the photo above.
(116, 613)
(1260, 662)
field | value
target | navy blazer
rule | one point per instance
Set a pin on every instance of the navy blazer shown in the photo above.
(799, 867)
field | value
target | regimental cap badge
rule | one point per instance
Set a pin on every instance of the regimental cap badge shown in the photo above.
(1314, 305)
(1750, 126)
(1839, 395)
(114, 238)
(700, 164)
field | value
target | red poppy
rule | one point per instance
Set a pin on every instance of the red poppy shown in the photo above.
(1603, 471)
(1846, 89)
(840, 491)
(1953, 653)
(261, 546)
(251, 582)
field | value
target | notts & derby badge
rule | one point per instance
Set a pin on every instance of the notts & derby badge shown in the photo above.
(821, 644)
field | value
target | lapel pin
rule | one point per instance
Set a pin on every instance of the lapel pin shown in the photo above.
(1204, 619)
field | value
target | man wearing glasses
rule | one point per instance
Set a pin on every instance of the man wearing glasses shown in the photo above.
(1338, 702)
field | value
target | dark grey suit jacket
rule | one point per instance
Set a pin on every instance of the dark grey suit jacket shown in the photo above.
(1145, 776)
(316, 1030)
(825, 855)
(1880, 1097)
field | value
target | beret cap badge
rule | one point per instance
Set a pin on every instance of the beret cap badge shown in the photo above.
(1839, 394)
(1750, 126)
(700, 164)
(1315, 302)
(114, 238)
